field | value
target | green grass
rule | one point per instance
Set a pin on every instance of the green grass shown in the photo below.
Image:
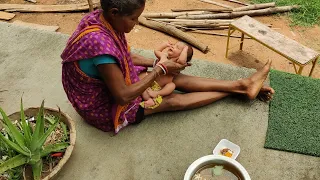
(307, 15)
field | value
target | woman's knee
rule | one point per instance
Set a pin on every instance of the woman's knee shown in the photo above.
(175, 102)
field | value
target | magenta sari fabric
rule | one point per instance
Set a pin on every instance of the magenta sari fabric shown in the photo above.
(91, 97)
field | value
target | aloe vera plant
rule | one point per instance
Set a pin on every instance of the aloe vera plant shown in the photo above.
(29, 143)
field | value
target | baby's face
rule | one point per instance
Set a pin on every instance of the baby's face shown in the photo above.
(175, 50)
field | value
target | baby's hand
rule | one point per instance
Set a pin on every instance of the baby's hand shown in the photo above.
(166, 44)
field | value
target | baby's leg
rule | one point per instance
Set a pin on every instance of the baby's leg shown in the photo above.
(183, 56)
(166, 90)
(145, 95)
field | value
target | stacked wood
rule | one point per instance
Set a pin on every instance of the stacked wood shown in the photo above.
(201, 25)
(197, 20)
(194, 21)
(216, 3)
(255, 6)
(172, 14)
(169, 29)
(231, 15)
(238, 2)
(201, 9)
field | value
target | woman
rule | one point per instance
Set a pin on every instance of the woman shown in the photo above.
(100, 75)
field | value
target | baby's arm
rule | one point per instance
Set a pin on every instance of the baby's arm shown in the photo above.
(159, 50)
(183, 56)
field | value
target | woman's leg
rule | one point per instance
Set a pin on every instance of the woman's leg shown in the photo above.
(250, 86)
(176, 102)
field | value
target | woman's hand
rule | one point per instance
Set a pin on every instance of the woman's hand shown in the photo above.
(171, 66)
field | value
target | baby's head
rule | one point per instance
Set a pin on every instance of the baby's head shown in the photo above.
(176, 49)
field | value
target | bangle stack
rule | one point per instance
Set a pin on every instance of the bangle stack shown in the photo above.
(163, 67)
(155, 62)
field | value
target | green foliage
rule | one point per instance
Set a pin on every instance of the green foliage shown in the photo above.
(307, 15)
(28, 146)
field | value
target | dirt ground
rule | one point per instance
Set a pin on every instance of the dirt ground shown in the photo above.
(254, 55)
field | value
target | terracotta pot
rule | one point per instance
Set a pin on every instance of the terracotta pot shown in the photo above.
(33, 111)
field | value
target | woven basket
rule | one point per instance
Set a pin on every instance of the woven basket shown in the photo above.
(33, 111)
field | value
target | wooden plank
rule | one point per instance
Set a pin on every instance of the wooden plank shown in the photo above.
(45, 8)
(216, 3)
(275, 41)
(6, 16)
(36, 26)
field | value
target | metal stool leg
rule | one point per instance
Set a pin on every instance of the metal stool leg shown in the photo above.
(228, 41)
(314, 65)
(242, 39)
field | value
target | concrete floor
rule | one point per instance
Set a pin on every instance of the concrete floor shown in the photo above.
(162, 146)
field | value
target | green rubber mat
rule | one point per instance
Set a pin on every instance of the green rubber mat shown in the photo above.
(294, 114)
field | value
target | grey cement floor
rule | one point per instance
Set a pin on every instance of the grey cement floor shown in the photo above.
(162, 146)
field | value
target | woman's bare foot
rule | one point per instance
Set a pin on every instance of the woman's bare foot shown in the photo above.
(265, 93)
(255, 82)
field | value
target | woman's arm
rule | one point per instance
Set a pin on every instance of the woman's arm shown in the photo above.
(115, 82)
(124, 94)
(141, 61)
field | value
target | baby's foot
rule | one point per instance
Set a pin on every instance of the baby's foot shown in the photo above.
(152, 94)
(149, 103)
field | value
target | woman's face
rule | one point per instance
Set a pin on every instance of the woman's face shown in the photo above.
(126, 23)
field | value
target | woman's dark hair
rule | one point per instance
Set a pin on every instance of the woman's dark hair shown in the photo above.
(125, 7)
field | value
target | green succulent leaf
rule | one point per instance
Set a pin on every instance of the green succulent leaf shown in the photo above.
(43, 138)
(13, 162)
(53, 148)
(38, 132)
(14, 146)
(64, 129)
(25, 126)
(37, 169)
(16, 135)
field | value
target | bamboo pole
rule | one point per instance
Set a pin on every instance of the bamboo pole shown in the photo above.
(231, 15)
(169, 29)
(90, 5)
(201, 9)
(172, 14)
(216, 34)
(216, 3)
(195, 21)
(201, 25)
(238, 2)
(255, 6)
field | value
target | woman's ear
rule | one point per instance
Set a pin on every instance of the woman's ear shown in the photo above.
(114, 12)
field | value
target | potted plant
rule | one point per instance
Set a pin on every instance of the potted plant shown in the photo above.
(35, 143)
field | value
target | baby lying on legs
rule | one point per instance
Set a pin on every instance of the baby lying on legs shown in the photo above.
(163, 86)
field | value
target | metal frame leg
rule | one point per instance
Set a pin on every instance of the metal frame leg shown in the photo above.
(296, 70)
(228, 41)
(300, 70)
(314, 65)
(242, 39)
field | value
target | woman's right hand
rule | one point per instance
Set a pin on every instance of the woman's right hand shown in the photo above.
(174, 67)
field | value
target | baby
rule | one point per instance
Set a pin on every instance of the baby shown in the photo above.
(178, 52)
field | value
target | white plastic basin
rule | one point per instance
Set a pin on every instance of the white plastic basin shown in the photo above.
(216, 159)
